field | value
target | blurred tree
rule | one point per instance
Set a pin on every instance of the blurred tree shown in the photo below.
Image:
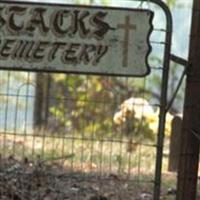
(171, 2)
(74, 98)
(88, 103)
(117, 91)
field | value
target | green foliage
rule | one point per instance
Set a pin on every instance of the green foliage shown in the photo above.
(86, 105)
(138, 129)
(85, 108)
(171, 2)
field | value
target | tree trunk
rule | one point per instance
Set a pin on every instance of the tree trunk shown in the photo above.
(189, 156)
(41, 104)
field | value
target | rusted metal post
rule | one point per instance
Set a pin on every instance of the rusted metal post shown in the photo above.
(175, 143)
(163, 98)
(189, 156)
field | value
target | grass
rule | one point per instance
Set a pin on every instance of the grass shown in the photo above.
(90, 156)
(106, 156)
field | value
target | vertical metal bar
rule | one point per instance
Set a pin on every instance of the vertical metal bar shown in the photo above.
(163, 99)
(6, 113)
(73, 130)
(47, 98)
(84, 123)
(139, 162)
(111, 156)
(26, 114)
(15, 122)
(93, 139)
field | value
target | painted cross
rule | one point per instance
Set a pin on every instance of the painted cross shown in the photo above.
(127, 27)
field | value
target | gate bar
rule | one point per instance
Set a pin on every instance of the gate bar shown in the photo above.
(163, 99)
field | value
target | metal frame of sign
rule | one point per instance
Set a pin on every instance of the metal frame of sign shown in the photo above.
(140, 46)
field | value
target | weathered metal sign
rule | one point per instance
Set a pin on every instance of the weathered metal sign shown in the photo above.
(78, 39)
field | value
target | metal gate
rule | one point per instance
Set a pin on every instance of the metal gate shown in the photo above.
(86, 129)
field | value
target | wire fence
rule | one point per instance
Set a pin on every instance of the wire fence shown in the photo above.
(68, 122)
(81, 126)
(84, 127)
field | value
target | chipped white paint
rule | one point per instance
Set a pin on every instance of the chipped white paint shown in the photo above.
(64, 38)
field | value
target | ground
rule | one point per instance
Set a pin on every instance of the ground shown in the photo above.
(41, 181)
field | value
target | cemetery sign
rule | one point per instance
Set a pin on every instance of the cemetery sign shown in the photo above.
(75, 39)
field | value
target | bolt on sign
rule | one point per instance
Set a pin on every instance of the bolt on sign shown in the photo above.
(75, 39)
